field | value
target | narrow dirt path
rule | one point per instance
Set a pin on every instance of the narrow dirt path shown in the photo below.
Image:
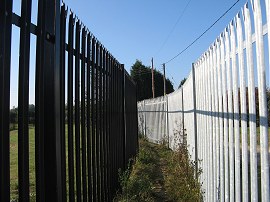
(159, 175)
(159, 191)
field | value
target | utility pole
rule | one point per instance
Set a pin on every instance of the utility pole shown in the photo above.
(153, 82)
(164, 79)
(167, 104)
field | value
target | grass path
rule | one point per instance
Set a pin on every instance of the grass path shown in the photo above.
(155, 177)
(158, 190)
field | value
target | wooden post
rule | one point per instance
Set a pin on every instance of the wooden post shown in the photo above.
(153, 82)
(164, 79)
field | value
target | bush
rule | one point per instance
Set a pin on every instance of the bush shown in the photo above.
(136, 181)
(160, 174)
(180, 180)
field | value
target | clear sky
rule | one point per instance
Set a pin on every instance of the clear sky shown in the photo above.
(137, 29)
(133, 30)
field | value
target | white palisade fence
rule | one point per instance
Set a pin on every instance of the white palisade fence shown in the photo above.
(223, 108)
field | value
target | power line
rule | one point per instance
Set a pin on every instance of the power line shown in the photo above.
(203, 33)
(173, 81)
(172, 30)
(148, 72)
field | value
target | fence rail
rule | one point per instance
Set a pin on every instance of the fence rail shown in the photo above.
(85, 108)
(223, 107)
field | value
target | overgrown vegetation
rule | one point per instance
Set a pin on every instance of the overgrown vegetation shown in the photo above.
(137, 181)
(180, 178)
(160, 174)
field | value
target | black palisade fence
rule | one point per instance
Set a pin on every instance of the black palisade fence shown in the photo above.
(85, 113)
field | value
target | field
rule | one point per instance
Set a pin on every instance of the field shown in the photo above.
(14, 163)
(159, 174)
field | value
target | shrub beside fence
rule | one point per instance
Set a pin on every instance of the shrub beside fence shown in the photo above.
(217, 108)
(80, 161)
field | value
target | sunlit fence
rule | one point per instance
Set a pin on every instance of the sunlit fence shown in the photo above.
(223, 107)
(85, 126)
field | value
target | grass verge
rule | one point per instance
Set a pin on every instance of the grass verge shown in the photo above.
(159, 174)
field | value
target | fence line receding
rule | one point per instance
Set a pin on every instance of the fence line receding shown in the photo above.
(223, 108)
(85, 108)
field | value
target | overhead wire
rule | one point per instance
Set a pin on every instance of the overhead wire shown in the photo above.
(170, 76)
(202, 33)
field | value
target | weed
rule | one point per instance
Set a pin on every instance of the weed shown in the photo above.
(180, 181)
(136, 181)
(160, 174)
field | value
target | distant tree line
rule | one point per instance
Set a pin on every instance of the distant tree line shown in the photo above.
(146, 94)
(13, 116)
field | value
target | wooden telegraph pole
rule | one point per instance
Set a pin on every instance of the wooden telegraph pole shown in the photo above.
(153, 82)
(164, 78)
(167, 104)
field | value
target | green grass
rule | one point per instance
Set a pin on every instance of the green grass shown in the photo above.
(14, 184)
(159, 174)
(14, 163)
(14, 126)
(137, 182)
(143, 173)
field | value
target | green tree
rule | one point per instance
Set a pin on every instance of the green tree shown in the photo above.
(182, 82)
(31, 114)
(141, 74)
(14, 114)
(13, 117)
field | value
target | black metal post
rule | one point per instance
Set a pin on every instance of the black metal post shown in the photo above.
(5, 54)
(101, 121)
(89, 127)
(114, 134)
(118, 130)
(77, 112)
(62, 97)
(84, 177)
(48, 137)
(110, 126)
(124, 118)
(97, 78)
(103, 195)
(23, 106)
(70, 110)
(93, 107)
(106, 123)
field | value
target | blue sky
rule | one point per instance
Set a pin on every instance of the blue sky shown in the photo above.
(137, 29)
(133, 30)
